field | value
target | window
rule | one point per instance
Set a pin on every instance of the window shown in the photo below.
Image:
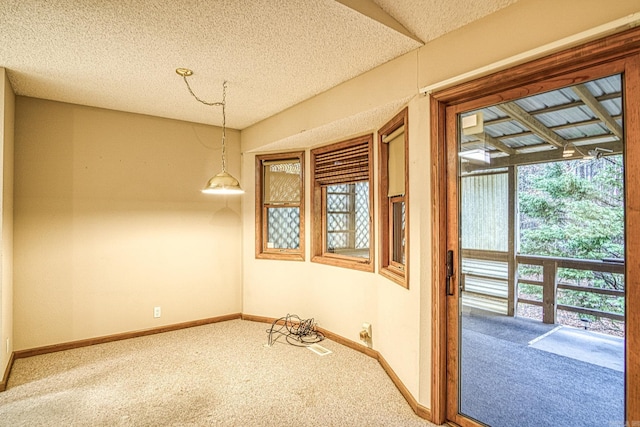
(342, 225)
(394, 200)
(280, 206)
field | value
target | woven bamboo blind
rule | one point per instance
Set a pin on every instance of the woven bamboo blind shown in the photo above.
(343, 165)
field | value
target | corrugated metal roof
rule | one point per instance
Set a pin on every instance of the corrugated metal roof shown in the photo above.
(551, 121)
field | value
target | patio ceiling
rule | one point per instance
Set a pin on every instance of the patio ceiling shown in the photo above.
(583, 121)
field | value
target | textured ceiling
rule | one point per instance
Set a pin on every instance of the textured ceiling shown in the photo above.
(122, 55)
(429, 19)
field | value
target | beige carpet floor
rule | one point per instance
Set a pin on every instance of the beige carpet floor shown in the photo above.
(219, 375)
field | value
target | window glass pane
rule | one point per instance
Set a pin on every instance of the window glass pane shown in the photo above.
(563, 206)
(283, 228)
(282, 181)
(398, 224)
(348, 219)
(484, 222)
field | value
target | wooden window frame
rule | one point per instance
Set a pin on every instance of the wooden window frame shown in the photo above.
(392, 270)
(262, 251)
(319, 210)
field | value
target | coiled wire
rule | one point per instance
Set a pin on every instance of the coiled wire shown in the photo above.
(296, 331)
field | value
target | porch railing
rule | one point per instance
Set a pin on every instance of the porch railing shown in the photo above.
(550, 284)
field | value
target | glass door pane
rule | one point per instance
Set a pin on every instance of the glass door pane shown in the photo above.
(542, 301)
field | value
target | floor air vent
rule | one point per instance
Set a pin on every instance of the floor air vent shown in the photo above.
(319, 350)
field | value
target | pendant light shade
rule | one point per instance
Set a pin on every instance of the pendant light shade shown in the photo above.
(222, 183)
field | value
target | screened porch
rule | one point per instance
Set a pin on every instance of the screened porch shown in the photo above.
(542, 218)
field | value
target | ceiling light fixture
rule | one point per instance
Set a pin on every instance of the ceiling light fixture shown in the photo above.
(596, 153)
(477, 155)
(222, 183)
(569, 150)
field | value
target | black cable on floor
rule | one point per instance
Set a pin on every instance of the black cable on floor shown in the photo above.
(296, 331)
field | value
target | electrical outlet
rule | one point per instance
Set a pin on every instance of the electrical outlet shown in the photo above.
(157, 311)
(365, 333)
(367, 328)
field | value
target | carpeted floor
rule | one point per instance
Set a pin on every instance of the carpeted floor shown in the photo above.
(218, 375)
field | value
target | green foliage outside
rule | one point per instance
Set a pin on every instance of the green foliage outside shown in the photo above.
(574, 209)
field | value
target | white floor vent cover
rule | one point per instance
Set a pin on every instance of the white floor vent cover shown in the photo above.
(319, 350)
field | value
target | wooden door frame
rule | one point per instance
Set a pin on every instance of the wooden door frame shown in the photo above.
(557, 70)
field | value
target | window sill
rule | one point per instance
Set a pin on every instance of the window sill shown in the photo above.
(283, 256)
(336, 261)
(395, 275)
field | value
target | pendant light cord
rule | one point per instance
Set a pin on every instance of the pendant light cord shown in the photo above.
(222, 104)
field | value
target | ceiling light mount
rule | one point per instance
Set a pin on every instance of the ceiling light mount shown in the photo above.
(184, 72)
(222, 183)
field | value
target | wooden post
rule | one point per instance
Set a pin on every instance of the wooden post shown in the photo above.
(549, 288)
(512, 269)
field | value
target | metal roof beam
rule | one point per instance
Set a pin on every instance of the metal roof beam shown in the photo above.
(543, 156)
(598, 109)
(514, 110)
(494, 142)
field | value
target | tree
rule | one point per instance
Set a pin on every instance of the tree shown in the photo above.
(575, 209)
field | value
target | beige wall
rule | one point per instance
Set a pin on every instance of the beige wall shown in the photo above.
(7, 114)
(339, 299)
(110, 222)
(532, 27)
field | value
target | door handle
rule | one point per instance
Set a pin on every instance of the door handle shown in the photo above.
(449, 272)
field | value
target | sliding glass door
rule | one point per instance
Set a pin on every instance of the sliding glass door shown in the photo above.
(537, 209)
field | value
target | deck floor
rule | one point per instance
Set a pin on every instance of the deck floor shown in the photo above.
(517, 371)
